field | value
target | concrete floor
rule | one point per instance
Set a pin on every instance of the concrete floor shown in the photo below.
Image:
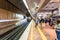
(34, 35)
(47, 30)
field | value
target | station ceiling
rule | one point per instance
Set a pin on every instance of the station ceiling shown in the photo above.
(14, 6)
(19, 4)
(53, 4)
(32, 4)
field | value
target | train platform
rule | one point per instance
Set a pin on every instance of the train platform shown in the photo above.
(47, 33)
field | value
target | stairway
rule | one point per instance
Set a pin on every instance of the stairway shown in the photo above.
(15, 33)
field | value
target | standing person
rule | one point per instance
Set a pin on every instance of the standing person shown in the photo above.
(36, 21)
(41, 22)
(58, 28)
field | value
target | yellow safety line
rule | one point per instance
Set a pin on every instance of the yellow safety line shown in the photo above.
(41, 33)
(31, 33)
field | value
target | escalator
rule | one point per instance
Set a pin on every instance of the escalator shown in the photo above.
(15, 33)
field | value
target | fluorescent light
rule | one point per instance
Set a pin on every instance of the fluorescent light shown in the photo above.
(26, 5)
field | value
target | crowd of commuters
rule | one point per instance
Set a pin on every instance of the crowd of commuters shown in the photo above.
(48, 20)
(53, 21)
